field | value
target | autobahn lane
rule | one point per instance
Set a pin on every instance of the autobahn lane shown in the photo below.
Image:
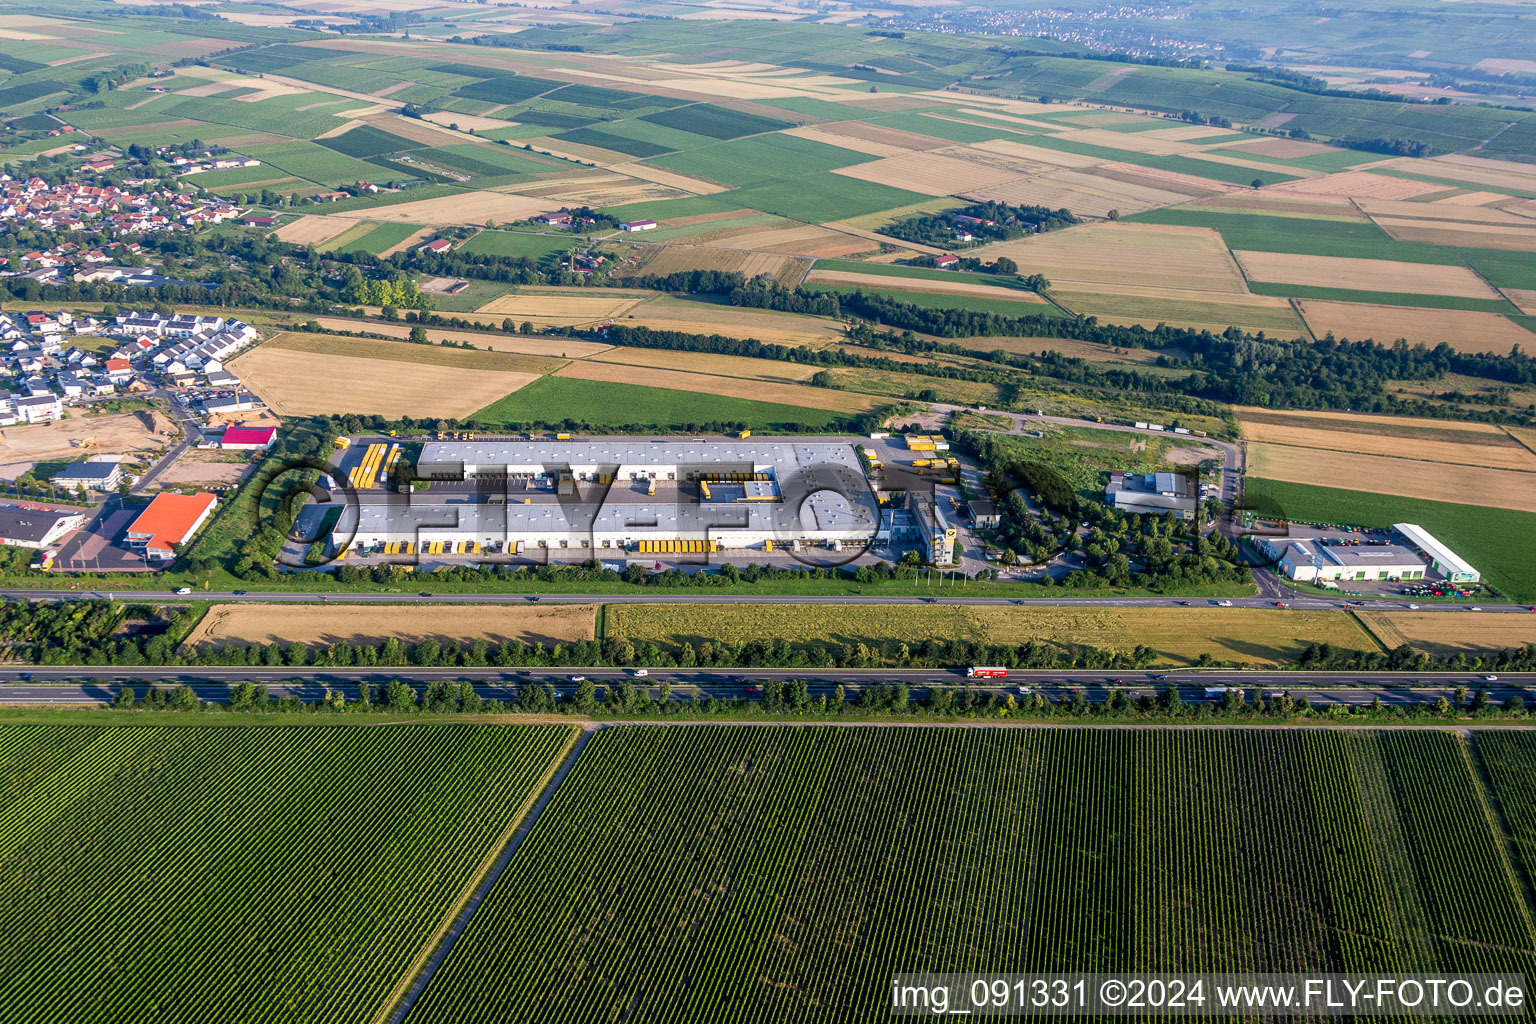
(38, 685)
(946, 594)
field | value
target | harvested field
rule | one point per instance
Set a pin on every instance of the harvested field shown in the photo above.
(1357, 185)
(1131, 142)
(1442, 211)
(931, 174)
(314, 229)
(1256, 636)
(801, 240)
(415, 355)
(1448, 633)
(1169, 182)
(677, 380)
(670, 179)
(1036, 154)
(1524, 298)
(569, 348)
(618, 192)
(893, 137)
(1360, 422)
(672, 259)
(1498, 174)
(372, 624)
(1412, 478)
(858, 145)
(1518, 237)
(1085, 201)
(668, 313)
(1283, 149)
(1471, 199)
(1462, 330)
(116, 434)
(1184, 308)
(706, 362)
(473, 208)
(1349, 272)
(1148, 255)
(920, 284)
(569, 309)
(1496, 451)
(310, 383)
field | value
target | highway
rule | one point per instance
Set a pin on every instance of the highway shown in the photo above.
(942, 593)
(83, 684)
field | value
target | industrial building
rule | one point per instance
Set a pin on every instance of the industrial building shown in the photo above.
(1441, 558)
(24, 525)
(1169, 494)
(168, 521)
(612, 494)
(1346, 557)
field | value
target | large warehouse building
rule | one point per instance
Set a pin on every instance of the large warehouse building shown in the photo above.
(638, 495)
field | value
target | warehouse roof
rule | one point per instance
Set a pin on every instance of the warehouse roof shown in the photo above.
(1367, 555)
(33, 524)
(1449, 561)
(824, 512)
(637, 453)
(170, 518)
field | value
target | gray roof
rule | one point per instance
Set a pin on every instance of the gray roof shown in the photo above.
(27, 524)
(88, 471)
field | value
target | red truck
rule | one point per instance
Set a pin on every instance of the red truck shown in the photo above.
(986, 673)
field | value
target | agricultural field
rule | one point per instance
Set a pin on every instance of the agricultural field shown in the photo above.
(245, 624)
(800, 868)
(1179, 636)
(1500, 542)
(1441, 441)
(1406, 477)
(306, 375)
(1462, 330)
(607, 403)
(225, 875)
(699, 383)
(1444, 635)
(561, 308)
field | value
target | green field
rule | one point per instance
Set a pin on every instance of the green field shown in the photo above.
(377, 239)
(1312, 236)
(253, 873)
(517, 243)
(716, 122)
(1501, 543)
(315, 162)
(1302, 291)
(604, 404)
(763, 160)
(785, 874)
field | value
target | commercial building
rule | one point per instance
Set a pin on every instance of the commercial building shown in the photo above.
(24, 525)
(248, 438)
(1445, 561)
(1346, 558)
(103, 473)
(936, 532)
(1169, 494)
(984, 514)
(168, 521)
(641, 496)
